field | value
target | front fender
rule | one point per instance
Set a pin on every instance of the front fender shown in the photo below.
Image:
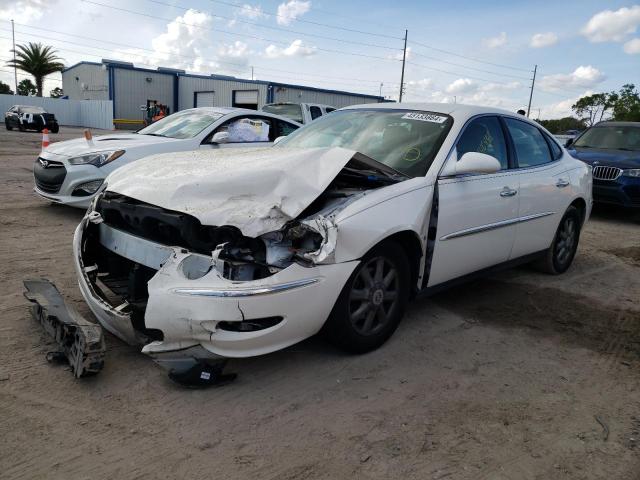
(360, 229)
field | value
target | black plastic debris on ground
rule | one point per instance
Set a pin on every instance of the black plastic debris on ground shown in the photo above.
(81, 342)
(203, 375)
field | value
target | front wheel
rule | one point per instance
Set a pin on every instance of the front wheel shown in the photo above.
(560, 254)
(55, 128)
(6, 124)
(372, 302)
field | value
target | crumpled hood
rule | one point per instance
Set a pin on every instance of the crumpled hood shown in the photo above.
(612, 158)
(116, 141)
(257, 190)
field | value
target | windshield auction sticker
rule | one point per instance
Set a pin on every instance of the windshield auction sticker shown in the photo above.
(425, 117)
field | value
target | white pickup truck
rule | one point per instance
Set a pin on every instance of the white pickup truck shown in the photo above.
(299, 112)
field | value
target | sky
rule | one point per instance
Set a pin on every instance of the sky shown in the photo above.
(476, 52)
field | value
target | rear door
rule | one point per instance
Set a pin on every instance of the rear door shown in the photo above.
(545, 188)
(476, 213)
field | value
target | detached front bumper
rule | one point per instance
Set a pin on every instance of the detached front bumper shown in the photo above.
(197, 318)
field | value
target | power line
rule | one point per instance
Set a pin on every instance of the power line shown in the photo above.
(458, 74)
(311, 22)
(243, 66)
(470, 58)
(270, 27)
(28, 75)
(341, 52)
(470, 68)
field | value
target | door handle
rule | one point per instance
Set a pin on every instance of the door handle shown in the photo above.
(508, 192)
(561, 183)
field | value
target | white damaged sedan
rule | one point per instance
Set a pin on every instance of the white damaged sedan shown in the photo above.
(200, 257)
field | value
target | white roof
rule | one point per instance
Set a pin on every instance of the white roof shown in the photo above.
(454, 109)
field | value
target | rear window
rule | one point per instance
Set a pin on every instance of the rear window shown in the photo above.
(289, 110)
(32, 110)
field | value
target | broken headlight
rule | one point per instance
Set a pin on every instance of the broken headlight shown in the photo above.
(97, 159)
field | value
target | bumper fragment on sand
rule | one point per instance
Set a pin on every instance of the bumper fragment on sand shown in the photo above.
(81, 342)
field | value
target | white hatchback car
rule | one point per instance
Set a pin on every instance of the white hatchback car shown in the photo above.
(334, 228)
(72, 172)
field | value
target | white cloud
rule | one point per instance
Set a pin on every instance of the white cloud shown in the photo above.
(581, 77)
(632, 46)
(495, 42)
(296, 49)
(291, 10)
(462, 85)
(251, 11)
(610, 26)
(24, 11)
(541, 40)
(187, 44)
(500, 87)
(422, 84)
(398, 55)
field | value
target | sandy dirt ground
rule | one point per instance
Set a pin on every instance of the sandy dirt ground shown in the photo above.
(517, 376)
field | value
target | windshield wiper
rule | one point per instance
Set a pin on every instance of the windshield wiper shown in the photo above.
(153, 134)
(373, 166)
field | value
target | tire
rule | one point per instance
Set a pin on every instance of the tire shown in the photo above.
(559, 256)
(6, 124)
(21, 127)
(55, 128)
(372, 301)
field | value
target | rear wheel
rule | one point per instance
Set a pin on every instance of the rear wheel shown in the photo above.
(560, 254)
(55, 128)
(372, 302)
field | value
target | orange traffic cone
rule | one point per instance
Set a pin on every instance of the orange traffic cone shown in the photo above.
(45, 138)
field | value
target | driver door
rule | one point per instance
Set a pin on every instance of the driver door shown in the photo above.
(244, 132)
(477, 213)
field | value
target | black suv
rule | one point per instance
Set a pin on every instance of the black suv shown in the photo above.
(25, 117)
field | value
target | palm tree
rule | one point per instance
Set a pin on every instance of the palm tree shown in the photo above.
(38, 60)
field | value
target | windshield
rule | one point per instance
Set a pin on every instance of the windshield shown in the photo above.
(32, 110)
(404, 140)
(186, 124)
(611, 137)
(289, 110)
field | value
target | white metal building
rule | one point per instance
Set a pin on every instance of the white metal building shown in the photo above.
(132, 88)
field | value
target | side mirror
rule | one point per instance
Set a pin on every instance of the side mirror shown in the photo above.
(476, 162)
(220, 137)
(277, 140)
(568, 143)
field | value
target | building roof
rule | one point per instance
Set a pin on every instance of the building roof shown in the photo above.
(170, 71)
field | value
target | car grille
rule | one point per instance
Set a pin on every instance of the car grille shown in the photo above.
(49, 179)
(606, 173)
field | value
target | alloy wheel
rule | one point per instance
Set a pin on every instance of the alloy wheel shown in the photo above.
(565, 241)
(373, 296)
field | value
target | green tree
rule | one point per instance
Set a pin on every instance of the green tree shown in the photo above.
(37, 60)
(627, 104)
(26, 88)
(592, 108)
(6, 89)
(56, 93)
(563, 124)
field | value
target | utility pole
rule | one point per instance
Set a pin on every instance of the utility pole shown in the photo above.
(15, 71)
(404, 58)
(533, 82)
(252, 73)
(381, 85)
